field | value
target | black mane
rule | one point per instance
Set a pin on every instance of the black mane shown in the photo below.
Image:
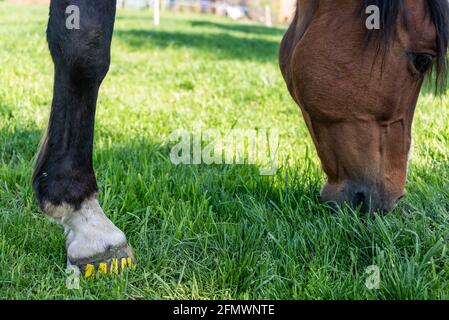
(390, 10)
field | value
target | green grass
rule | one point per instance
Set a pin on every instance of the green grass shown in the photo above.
(208, 232)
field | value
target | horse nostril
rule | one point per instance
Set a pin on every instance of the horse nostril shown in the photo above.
(359, 198)
(400, 198)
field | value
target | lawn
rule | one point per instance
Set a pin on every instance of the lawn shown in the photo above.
(199, 231)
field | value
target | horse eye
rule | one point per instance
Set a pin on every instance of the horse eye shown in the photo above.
(422, 61)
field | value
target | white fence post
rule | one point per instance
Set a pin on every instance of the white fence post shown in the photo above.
(268, 21)
(156, 12)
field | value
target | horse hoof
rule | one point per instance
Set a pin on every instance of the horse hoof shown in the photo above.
(114, 261)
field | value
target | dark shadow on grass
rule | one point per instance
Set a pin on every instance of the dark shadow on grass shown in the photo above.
(17, 144)
(231, 189)
(5, 111)
(246, 28)
(227, 184)
(222, 46)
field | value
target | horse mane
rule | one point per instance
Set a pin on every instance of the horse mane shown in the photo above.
(390, 11)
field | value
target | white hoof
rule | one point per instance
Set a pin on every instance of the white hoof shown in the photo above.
(89, 233)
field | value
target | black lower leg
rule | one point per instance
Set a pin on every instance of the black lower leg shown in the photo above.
(64, 171)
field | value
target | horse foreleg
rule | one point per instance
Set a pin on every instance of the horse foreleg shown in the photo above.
(64, 181)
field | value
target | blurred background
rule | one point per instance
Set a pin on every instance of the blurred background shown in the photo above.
(268, 12)
(264, 11)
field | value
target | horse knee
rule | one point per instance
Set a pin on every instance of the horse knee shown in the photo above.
(83, 54)
(85, 58)
(91, 58)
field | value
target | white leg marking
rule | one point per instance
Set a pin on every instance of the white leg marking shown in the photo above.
(88, 231)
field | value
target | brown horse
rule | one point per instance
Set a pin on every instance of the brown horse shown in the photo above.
(358, 88)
